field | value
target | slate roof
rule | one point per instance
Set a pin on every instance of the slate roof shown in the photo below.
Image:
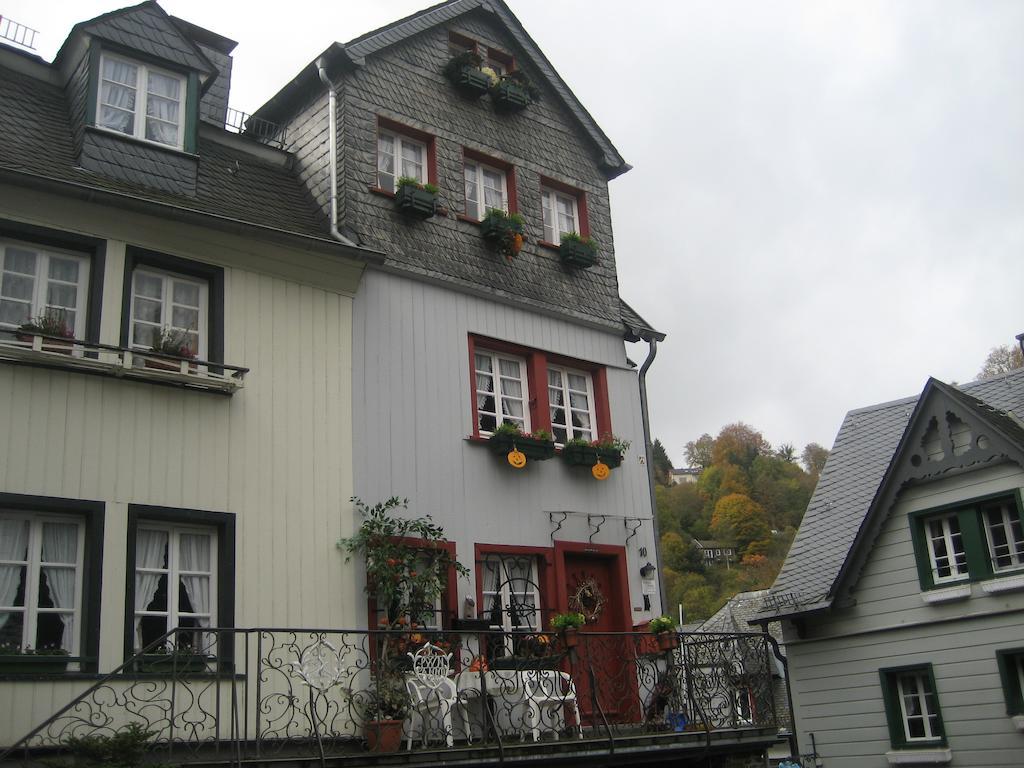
(232, 183)
(860, 457)
(145, 27)
(636, 327)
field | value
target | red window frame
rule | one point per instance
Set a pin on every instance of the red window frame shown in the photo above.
(583, 217)
(537, 382)
(413, 133)
(504, 165)
(457, 40)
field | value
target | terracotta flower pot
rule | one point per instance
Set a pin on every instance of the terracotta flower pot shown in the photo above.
(667, 640)
(383, 735)
(571, 637)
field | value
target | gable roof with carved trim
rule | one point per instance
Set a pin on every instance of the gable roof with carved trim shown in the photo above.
(878, 451)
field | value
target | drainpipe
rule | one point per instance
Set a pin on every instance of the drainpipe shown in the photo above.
(653, 351)
(332, 102)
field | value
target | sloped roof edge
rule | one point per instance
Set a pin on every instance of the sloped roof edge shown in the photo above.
(636, 328)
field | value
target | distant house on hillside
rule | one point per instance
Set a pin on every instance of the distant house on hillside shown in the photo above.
(678, 476)
(902, 598)
(716, 552)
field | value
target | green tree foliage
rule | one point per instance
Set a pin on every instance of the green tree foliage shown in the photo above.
(662, 463)
(1001, 360)
(748, 495)
(742, 522)
(814, 458)
(698, 452)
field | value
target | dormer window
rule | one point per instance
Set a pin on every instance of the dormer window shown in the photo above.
(141, 101)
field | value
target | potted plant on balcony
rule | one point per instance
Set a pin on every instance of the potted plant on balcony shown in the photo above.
(664, 629)
(415, 199)
(16, 660)
(509, 440)
(504, 231)
(467, 73)
(52, 324)
(174, 342)
(514, 92)
(578, 251)
(568, 624)
(406, 573)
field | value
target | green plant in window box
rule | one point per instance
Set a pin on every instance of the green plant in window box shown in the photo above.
(43, 661)
(174, 660)
(607, 449)
(53, 326)
(513, 92)
(507, 438)
(467, 73)
(174, 342)
(578, 251)
(415, 199)
(504, 231)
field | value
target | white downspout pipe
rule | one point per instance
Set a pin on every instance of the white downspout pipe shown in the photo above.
(332, 130)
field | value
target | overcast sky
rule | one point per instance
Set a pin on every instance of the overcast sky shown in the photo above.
(827, 201)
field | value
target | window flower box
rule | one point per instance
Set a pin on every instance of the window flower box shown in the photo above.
(608, 450)
(511, 94)
(182, 661)
(537, 449)
(576, 251)
(51, 325)
(175, 342)
(467, 73)
(31, 663)
(416, 200)
(504, 231)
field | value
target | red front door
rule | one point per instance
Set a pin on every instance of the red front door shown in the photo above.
(605, 669)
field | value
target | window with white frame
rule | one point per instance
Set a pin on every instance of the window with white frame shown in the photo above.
(40, 581)
(561, 214)
(42, 282)
(486, 188)
(140, 100)
(175, 583)
(946, 548)
(912, 706)
(571, 399)
(399, 156)
(501, 391)
(1004, 535)
(511, 594)
(164, 302)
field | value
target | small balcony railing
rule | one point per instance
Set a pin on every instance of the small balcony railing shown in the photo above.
(251, 694)
(119, 362)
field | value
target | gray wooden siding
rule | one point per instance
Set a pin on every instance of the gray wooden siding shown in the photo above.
(414, 411)
(837, 694)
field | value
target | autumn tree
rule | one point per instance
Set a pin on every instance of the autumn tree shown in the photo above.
(681, 554)
(739, 444)
(741, 521)
(814, 457)
(679, 508)
(786, 452)
(662, 463)
(698, 452)
(1001, 360)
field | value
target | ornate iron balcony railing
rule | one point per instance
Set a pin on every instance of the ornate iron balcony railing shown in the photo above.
(250, 694)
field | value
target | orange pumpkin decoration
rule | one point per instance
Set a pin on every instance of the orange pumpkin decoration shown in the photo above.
(517, 458)
(600, 471)
(517, 243)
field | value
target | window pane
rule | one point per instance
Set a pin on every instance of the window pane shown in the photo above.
(186, 293)
(117, 119)
(163, 132)
(162, 85)
(17, 287)
(386, 161)
(120, 71)
(184, 318)
(20, 261)
(59, 295)
(12, 628)
(65, 270)
(143, 335)
(412, 161)
(148, 285)
(12, 586)
(148, 310)
(549, 222)
(13, 312)
(472, 192)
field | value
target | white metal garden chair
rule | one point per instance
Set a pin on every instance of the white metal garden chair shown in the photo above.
(432, 693)
(548, 693)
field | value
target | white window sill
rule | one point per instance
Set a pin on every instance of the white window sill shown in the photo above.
(1005, 584)
(1018, 722)
(946, 595)
(942, 756)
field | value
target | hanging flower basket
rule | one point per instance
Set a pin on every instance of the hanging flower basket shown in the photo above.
(416, 200)
(576, 251)
(503, 231)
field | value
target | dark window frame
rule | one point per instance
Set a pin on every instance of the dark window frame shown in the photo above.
(224, 523)
(92, 513)
(972, 530)
(211, 274)
(94, 248)
(894, 712)
(1012, 691)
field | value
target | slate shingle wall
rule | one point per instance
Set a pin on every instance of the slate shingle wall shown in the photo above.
(139, 163)
(148, 30)
(78, 98)
(405, 83)
(213, 106)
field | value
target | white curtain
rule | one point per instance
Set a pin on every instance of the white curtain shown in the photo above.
(13, 541)
(162, 104)
(117, 108)
(195, 556)
(511, 390)
(150, 547)
(60, 545)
